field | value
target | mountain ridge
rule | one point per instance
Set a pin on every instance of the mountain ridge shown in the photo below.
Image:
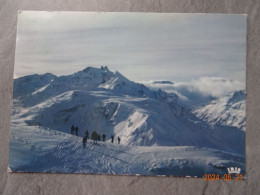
(228, 110)
(107, 102)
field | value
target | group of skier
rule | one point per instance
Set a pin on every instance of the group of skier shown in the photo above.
(76, 129)
(118, 139)
(94, 136)
(85, 138)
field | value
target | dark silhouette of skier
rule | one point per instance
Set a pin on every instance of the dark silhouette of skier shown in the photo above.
(98, 137)
(112, 138)
(104, 137)
(86, 135)
(94, 137)
(72, 129)
(84, 141)
(118, 139)
(76, 130)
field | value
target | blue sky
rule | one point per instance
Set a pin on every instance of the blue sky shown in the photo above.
(142, 46)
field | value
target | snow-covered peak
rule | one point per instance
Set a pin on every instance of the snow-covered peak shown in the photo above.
(88, 79)
(90, 75)
(31, 83)
(36, 78)
(237, 96)
(228, 110)
(92, 70)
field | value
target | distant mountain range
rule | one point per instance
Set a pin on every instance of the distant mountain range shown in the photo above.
(162, 82)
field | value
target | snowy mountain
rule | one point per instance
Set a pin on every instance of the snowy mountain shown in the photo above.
(154, 126)
(107, 102)
(38, 88)
(228, 110)
(37, 84)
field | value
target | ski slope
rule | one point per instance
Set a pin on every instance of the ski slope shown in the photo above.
(38, 149)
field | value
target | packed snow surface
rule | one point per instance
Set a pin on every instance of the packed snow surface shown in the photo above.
(38, 149)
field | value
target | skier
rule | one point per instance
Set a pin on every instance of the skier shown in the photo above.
(84, 141)
(72, 129)
(86, 135)
(76, 130)
(104, 137)
(94, 137)
(118, 139)
(112, 138)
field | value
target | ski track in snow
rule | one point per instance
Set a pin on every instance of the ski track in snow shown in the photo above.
(47, 150)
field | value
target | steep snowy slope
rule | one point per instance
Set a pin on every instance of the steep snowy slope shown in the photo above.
(25, 86)
(38, 149)
(138, 121)
(229, 110)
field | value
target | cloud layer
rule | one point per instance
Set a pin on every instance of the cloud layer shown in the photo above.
(216, 86)
(201, 90)
(142, 46)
